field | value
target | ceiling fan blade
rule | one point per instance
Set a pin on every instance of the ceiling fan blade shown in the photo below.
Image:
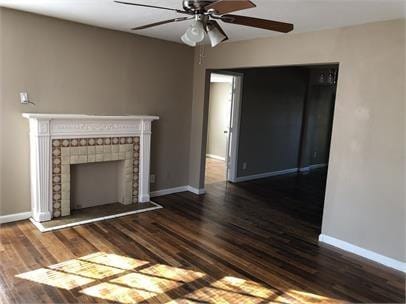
(154, 6)
(227, 6)
(161, 22)
(259, 23)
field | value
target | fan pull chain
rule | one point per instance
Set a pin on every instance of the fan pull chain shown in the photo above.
(202, 54)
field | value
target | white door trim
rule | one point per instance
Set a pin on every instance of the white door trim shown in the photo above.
(234, 134)
(232, 158)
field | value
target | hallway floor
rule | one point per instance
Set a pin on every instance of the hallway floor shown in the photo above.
(215, 171)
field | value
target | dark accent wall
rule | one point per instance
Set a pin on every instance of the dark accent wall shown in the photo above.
(317, 119)
(286, 118)
(271, 119)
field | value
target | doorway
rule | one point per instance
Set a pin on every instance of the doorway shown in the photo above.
(222, 127)
(282, 141)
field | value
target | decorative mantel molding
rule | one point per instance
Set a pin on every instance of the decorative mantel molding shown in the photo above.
(46, 127)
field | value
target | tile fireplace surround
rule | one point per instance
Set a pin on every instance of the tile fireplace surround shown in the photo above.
(58, 141)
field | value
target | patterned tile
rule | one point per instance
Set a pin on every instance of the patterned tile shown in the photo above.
(56, 169)
(65, 143)
(83, 142)
(56, 151)
(84, 150)
(56, 188)
(56, 143)
(74, 142)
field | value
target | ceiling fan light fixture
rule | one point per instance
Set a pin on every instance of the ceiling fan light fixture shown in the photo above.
(204, 11)
(187, 41)
(215, 33)
(195, 32)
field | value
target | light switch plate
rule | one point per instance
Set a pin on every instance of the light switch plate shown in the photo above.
(24, 98)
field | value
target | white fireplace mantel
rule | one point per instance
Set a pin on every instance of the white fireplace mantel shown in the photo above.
(47, 127)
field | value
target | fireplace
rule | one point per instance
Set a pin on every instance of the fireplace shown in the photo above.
(59, 142)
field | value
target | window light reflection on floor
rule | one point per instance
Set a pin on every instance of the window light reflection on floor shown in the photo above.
(126, 280)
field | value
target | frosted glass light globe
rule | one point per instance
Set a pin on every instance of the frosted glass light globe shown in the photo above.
(195, 32)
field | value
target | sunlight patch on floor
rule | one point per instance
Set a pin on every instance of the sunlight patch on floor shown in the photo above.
(117, 293)
(307, 297)
(86, 269)
(126, 280)
(114, 260)
(141, 281)
(218, 296)
(173, 273)
(55, 278)
(243, 286)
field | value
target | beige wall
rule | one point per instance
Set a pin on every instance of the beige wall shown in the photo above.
(365, 199)
(219, 118)
(72, 68)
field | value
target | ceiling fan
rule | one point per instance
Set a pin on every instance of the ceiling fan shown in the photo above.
(204, 14)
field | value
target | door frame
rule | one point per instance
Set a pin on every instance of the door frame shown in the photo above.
(234, 132)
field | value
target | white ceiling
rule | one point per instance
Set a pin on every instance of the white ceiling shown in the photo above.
(307, 15)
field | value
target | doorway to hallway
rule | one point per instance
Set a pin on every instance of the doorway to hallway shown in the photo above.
(222, 128)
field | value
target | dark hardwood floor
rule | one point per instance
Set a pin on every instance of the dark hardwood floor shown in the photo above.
(255, 242)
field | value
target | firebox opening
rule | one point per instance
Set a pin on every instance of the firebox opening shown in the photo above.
(95, 184)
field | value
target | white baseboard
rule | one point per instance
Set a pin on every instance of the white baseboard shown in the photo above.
(26, 215)
(264, 175)
(169, 191)
(312, 167)
(177, 190)
(195, 190)
(368, 254)
(215, 157)
(14, 217)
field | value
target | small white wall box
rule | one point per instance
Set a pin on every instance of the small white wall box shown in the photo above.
(24, 98)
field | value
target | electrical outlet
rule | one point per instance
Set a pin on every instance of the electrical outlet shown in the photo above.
(152, 179)
(244, 166)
